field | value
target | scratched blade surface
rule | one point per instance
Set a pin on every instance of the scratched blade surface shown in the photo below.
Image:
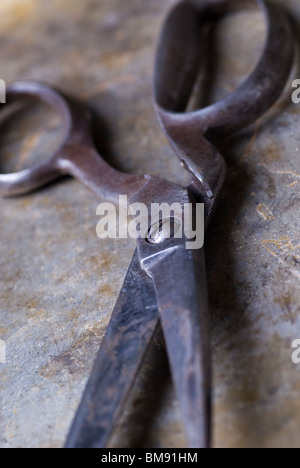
(180, 284)
(184, 315)
(133, 324)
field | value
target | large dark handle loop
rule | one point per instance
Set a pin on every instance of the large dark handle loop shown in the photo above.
(177, 66)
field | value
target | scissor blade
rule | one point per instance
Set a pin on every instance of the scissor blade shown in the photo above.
(130, 331)
(180, 284)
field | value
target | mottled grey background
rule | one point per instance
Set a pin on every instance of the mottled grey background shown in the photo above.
(58, 282)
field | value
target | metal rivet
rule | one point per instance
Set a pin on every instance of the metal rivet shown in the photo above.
(163, 230)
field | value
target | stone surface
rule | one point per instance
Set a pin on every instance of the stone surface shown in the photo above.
(58, 282)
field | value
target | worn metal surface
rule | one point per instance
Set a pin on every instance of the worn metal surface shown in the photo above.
(191, 130)
(54, 315)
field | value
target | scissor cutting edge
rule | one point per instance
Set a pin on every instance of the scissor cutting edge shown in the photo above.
(176, 294)
(133, 324)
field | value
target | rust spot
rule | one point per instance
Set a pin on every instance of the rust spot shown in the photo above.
(34, 313)
(288, 174)
(106, 290)
(265, 212)
(105, 260)
(74, 314)
(286, 303)
(272, 153)
(76, 361)
(116, 62)
(286, 251)
(3, 331)
(13, 12)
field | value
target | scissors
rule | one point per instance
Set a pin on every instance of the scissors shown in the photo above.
(165, 282)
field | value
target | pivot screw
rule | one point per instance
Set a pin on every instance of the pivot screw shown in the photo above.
(163, 230)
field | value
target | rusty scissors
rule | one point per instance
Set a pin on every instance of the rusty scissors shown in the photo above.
(165, 281)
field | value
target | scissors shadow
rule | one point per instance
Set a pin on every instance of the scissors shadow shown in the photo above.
(229, 288)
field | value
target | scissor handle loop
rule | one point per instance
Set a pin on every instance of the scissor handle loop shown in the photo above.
(76, 156)
(45, 172)
(177, 66)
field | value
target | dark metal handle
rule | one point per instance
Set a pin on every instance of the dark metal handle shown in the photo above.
(177, 67)
(77, 156)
